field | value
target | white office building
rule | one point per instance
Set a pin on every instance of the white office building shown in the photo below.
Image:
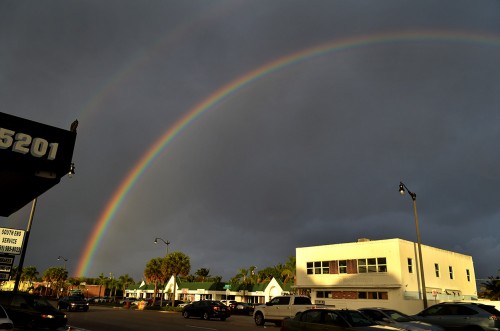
(383, 273)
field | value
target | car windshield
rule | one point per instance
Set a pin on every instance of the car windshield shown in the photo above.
(397, 316)
(75, 298)
(355, 318)
(490, 309)
(41, 302)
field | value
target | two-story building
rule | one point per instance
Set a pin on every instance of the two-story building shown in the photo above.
(383, 273)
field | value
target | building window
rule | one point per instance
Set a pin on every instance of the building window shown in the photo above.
(468, 274)
(410, 265)
(342, 266)
(325, 267)
(324, 294)
(318, 267)
(436, 269)
(450, 269)
(373, 295)
(372, 265)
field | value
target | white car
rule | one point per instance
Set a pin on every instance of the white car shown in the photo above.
(397, 319)
(5, 322)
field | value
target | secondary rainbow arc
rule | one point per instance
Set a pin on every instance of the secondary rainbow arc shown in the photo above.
(107, 216)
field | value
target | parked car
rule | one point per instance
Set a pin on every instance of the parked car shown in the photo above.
(29, 311)
(176, 303)
(206, 310)
(73, 302)
(228, 302)
(5, 322)
(127, 300)
(182, 305)
(241, 308)
(391, 317)
(461, 316)
(332, 320)
(95, 300)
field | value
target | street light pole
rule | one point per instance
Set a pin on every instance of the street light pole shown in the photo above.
(402, 188)
(65, 260)
(165, 242)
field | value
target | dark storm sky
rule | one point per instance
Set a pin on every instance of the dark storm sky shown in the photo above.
(310, 154)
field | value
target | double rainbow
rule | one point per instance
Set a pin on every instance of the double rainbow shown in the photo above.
(234, 86)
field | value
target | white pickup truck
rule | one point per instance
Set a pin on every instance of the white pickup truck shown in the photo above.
(281, 307)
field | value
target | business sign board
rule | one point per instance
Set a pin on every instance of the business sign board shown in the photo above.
(11, 241)
(6, 263)
(34, 157)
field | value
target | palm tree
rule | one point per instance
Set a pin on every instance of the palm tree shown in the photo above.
(246, 277)
(203, 273)
(102, 281)
(491, 288)
(30, 274)
(154, 274)
(125, 281)
(55, 275)
(289, 270)
(178, 264)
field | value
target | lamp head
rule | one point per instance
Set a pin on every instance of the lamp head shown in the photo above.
(156, 240)
(401, 188)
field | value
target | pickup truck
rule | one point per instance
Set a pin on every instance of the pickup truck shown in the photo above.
(281, 307)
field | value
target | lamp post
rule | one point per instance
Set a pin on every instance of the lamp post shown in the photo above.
(402, 188)
(63, 258)
(165, 242)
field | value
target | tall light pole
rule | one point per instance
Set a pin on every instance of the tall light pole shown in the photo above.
(165, 242)
(62, 258)
(402, 188)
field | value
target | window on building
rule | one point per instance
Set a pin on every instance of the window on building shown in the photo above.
(318, 267)
(325, 267)
(467, 272)
(324, 294)
(372, 265)
(342, 266)
(450, 269)
(436, 269)
(373, 295)
(410, 265)
(381, 264)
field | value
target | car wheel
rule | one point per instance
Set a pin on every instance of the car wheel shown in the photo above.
(185, 314)
(31, 325)
(222, 318)
(205, 316)
(259, 319)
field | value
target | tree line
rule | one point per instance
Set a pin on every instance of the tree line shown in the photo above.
(159, 270)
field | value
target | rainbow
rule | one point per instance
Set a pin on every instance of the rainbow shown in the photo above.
(233, 87)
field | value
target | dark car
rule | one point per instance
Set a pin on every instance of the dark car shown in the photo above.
(206, 309)
(73, 302)
(241, 308)
(332, 320)
(29, 311)
(461, 316)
